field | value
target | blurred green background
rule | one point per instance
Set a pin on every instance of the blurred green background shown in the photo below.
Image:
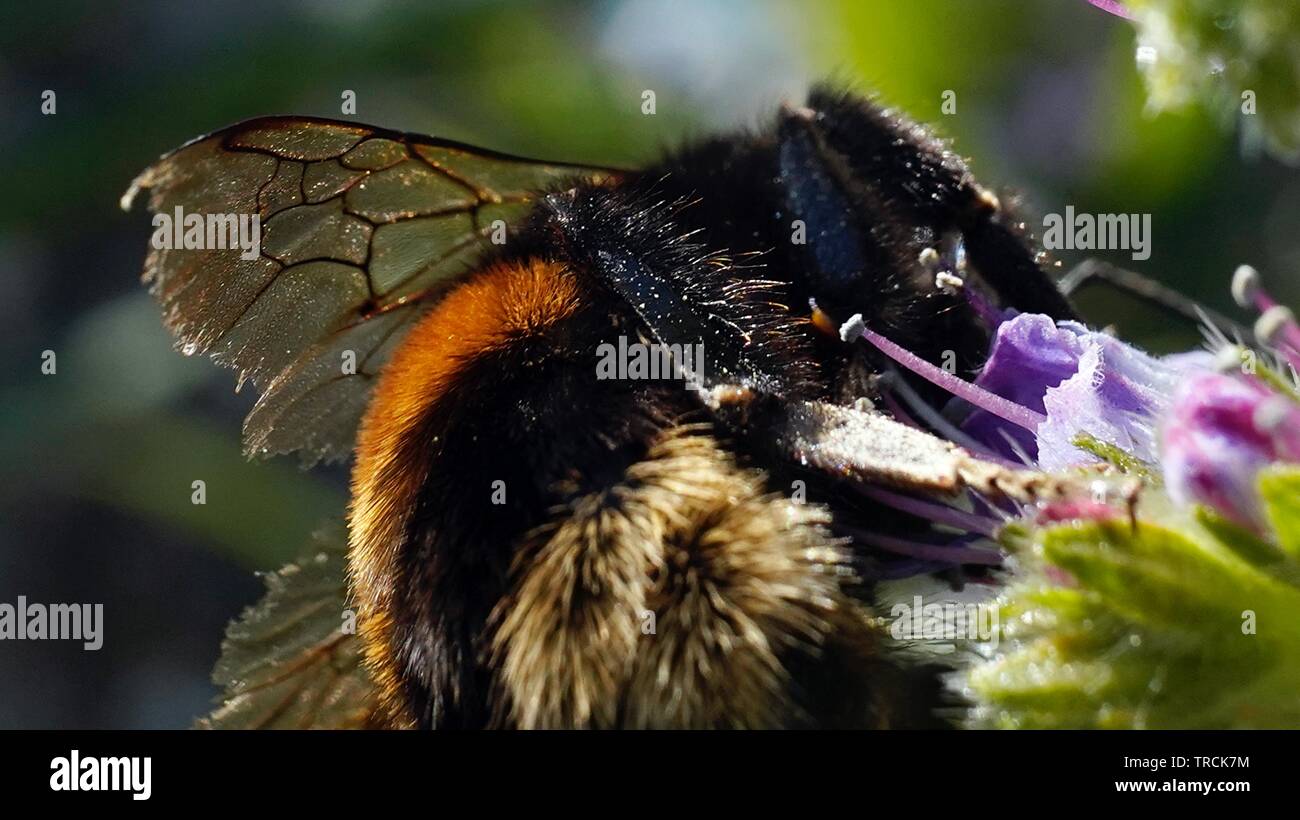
(96, 462)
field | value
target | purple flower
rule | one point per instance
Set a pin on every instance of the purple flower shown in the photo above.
(1083, 382)
(1115, 7)
(1046, 384)
(1220, 431)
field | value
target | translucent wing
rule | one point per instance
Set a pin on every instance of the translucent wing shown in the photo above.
(292, 661)
(359, 228)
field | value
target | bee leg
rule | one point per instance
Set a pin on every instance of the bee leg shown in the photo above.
(1149, 290)
(1000, 249)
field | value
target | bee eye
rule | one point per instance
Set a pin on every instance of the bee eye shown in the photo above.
(815, 194)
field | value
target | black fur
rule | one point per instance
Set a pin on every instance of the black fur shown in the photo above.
(694, 249)
(872, 190)
(534, 417)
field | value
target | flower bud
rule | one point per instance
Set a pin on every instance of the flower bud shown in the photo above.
(1220, 431)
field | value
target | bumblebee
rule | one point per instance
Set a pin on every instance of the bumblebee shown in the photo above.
(533, 543)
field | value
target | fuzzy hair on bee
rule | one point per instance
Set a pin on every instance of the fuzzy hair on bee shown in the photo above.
(535, 546)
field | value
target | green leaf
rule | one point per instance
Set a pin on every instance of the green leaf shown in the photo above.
(1242, 541)
(290, 661)
(1153, 626)
(1113, 455)
(1279, 486)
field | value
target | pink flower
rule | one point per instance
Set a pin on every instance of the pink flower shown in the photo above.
(1220, 431)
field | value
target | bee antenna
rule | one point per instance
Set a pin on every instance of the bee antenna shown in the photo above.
(1148, 290)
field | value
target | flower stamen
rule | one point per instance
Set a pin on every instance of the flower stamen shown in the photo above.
(954, 553)
(938, 513)
(1276, 326)
(1005, 409)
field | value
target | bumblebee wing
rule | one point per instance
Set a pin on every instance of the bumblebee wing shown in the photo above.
(291, 661)
(357, 229)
